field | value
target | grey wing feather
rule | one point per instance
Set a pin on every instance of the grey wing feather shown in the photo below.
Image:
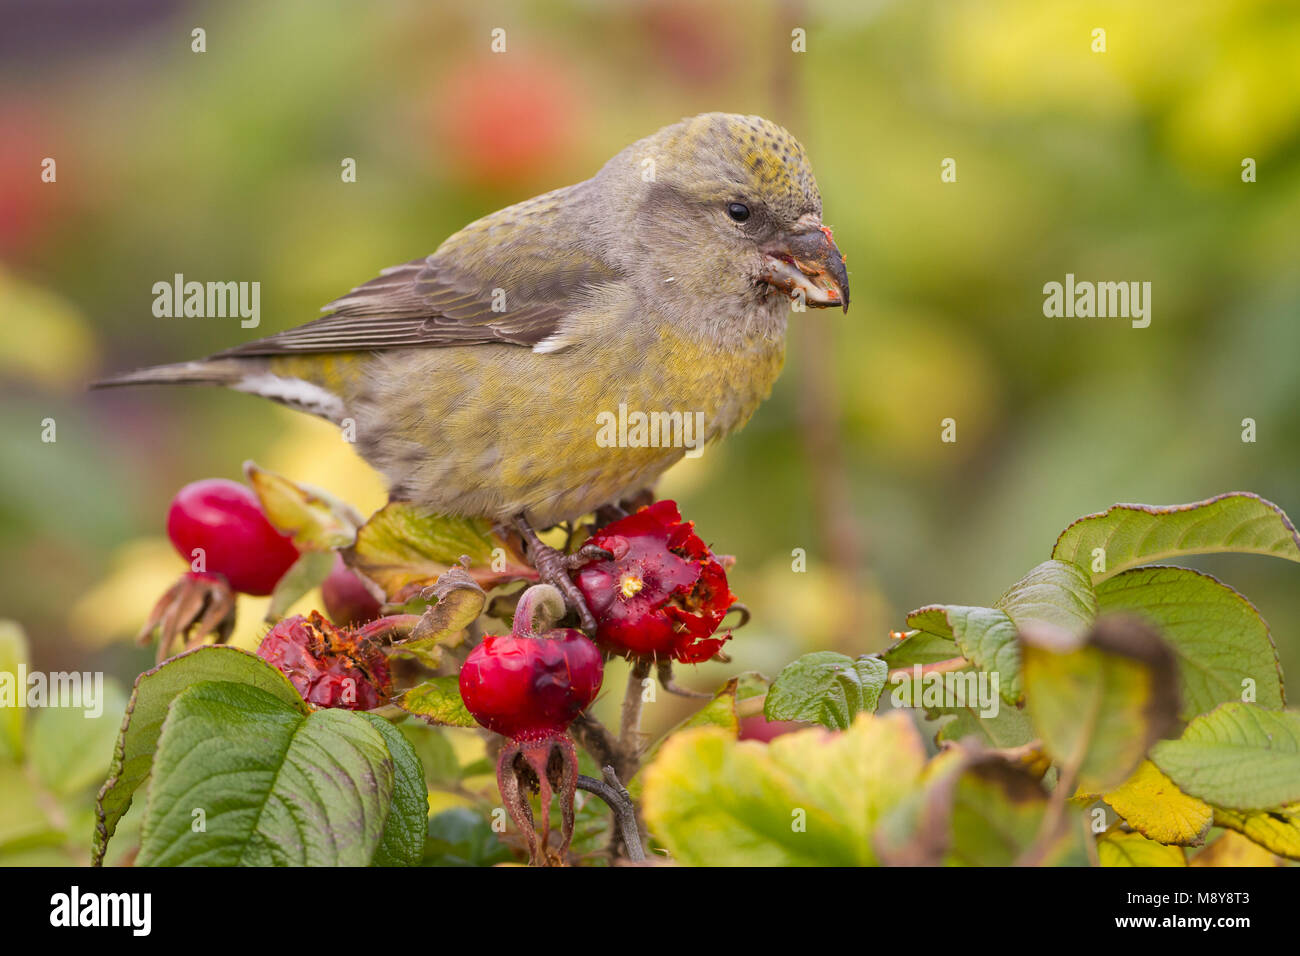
(429, 303)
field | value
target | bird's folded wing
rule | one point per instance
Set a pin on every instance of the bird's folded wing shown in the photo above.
(520, 297)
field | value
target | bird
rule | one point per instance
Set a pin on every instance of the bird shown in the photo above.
(474, 378)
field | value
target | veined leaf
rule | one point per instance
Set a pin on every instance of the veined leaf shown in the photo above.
(438, 701)
(271, 787)
(920, 647)
(1221, 643)
(405, 548)
(1238, 757)
(1276, 830)
(827, 688)
(402, 842)
(1133, 535)
(1153, 805)
(1054, 595)
(153, 692)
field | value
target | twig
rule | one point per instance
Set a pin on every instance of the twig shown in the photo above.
(620, 801)
(630, 724)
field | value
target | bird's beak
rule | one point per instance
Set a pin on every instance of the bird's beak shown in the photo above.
(807, 265)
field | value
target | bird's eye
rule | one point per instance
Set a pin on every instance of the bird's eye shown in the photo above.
(738, 211)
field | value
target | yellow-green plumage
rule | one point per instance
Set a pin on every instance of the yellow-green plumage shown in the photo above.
(474, 379)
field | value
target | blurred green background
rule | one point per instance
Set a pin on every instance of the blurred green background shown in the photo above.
(1123, 165)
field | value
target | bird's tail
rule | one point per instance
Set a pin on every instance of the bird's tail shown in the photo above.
(203, 372)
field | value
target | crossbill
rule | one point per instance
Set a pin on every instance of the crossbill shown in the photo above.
(474, 378)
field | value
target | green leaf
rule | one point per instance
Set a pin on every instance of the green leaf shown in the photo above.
(315, 519)
(1098, 707)
(145, 712)
(1053, 595)
(1132, 535)
(25, 819)
(438, 701)
(274, 788)
(810, 798)
(309, 571)
(920, 647)
(408, 818)
(462, 837)
(70, 749)
(1238, 757)
(405, 548)
(985, 636)
(1133, 849)
(827, 688)
(1221, 643)
(14, 657)
(1009, 728)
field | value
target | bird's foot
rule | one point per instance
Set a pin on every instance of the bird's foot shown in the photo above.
(553, 566)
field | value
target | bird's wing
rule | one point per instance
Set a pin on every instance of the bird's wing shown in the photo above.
(517, 292)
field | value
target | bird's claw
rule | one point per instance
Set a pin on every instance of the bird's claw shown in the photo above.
(553, 568)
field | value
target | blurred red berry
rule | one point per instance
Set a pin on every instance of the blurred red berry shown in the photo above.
(225, 520)
(347, 599)
(758, 727)
(527, 688)
(329, 666)
(663, 594)
(507, 120)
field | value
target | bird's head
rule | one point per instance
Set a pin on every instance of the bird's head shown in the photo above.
(726, 205)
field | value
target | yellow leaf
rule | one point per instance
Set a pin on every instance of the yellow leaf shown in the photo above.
(1154, 806)
(811, 798)
(1277, 830)
(1133, 849)
(1233, 849)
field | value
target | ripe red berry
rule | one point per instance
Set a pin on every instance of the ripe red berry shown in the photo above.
(327, 665)
(347, 599)
(225, 520)
(527, 688)
(663, 594)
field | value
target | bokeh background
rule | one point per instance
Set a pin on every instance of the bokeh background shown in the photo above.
(1122, 165)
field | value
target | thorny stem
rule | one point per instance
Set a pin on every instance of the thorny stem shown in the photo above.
(612, 791)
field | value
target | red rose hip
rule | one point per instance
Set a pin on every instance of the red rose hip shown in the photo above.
(526, 688)
(530, 687)
(224, 520)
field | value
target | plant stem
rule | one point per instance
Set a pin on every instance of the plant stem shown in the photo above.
(630, 724)
(612, 791)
